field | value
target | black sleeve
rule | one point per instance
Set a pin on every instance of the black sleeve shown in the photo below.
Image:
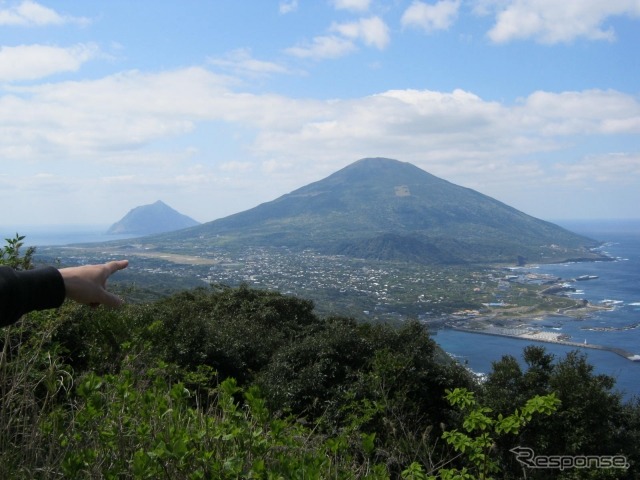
(24, 291)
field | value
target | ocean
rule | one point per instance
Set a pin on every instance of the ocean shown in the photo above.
(617, 285)
(50, 235)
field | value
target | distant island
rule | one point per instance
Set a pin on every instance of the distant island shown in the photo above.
(151, 219)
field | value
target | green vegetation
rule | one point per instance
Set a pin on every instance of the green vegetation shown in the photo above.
(242, 383)
(12, 256)
(477, 439)
(224, 382)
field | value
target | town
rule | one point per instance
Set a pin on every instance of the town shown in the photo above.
(338, 285)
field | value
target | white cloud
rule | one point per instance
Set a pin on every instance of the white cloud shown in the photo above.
(488, 7)
(29, 13)
(29, 62)
(371, 31)
(409, 124)
(116, 116)
(326, 46)
(551, 21)
(124, 125)
(118, 179)
(288, 6)
(237, 166)
(582, 113)
(431, 17)
(613, 168)
(120, 112)
(353, 5)
(128, 111)
(241, 62)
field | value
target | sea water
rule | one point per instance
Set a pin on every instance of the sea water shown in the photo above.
(56, 235)
(617, 285)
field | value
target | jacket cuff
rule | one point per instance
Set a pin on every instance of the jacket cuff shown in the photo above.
(43, 288)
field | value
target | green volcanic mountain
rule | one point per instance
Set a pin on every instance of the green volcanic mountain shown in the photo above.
(389, 210)
(149, 219)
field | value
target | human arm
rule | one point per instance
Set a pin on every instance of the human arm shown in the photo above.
(88, 284)
(27, 290)
(42, 288)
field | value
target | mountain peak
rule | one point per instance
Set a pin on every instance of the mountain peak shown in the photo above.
(380, 163)
(157, 217)
(379, 168)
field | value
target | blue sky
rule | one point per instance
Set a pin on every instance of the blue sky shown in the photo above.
(217, 106)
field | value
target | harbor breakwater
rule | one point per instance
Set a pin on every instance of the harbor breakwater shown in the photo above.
(544, 336)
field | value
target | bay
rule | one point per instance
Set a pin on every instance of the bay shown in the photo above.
(617, 285)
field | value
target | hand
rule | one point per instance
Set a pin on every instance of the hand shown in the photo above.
(88, 284)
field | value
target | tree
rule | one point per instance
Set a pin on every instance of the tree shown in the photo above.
(475, 442)
(12, 256)
(592, 420)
